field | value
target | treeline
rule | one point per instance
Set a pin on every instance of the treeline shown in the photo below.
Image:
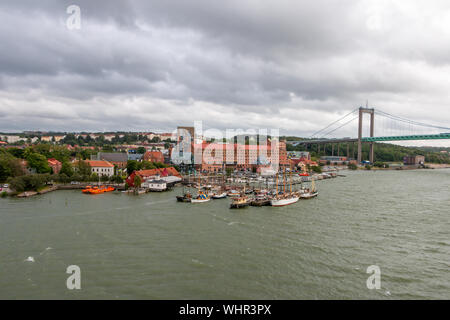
(100, 141)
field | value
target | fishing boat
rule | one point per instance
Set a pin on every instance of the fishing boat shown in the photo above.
(240, 202)
(201, 197)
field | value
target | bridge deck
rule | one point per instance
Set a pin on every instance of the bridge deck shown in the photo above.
(376, 139)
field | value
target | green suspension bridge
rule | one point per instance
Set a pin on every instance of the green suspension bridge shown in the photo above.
(395, 128)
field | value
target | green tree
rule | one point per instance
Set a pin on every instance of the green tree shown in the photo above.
(132, 165)
(116, 179)
(83, 168)
(67, 169)
(317, 169)
(38, 162)
(137, 181)
(141, 150)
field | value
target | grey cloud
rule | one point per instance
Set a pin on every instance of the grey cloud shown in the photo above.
(263, 63)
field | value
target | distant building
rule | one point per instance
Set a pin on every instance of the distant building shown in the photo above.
(299, 154)
(334, 160)
(118, 158)
(101, 168)
(155, 185)
(170, 174)
(154, 156)
(11, 138)
(135, 156)
(414, 160)
(55, 165)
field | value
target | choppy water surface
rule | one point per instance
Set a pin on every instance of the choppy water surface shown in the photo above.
(151, 247)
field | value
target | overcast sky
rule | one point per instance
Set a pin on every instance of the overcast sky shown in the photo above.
(153, 65)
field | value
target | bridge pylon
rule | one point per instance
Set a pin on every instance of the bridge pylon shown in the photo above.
(370, 111)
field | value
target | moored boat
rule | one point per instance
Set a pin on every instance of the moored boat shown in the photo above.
(87, 189)
(97, 190)
(261, 199)
(311, 192)
(187, 197)
(201, 197)
(284, 200)
(234, 193)
(240, 202)
(220, 195)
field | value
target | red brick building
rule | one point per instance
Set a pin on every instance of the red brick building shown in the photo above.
(146, 174)
(154, 156)
(239, 156)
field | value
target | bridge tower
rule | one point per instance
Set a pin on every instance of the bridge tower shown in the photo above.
(371, 111)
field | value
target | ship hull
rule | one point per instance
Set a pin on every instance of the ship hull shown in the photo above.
(309, 195)
(283, 202)
(220, 196)
(200, 200)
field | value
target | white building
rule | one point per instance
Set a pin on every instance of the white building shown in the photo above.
(155, 185)
(12, 139)
(101, 168)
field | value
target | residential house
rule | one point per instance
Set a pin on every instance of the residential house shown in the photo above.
(55, 165)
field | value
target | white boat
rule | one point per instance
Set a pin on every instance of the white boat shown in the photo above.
(219, 195)
(202, 197)
(200, 200)
(280, 202)
(310, 193)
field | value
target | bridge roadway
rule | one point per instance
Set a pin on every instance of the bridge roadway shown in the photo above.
(375, 139)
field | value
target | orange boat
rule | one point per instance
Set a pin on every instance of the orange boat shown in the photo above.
(97, 190)
(87, 190)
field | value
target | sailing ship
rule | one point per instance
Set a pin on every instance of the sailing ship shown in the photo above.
(187, 196)
(220, 193)
(284, 198)
(201, 197)
(311, 192)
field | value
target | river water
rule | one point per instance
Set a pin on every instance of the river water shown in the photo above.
(151, 247)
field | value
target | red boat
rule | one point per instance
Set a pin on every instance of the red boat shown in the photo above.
(303, 174)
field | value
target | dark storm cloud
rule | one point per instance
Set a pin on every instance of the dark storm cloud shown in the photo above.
(161, 62)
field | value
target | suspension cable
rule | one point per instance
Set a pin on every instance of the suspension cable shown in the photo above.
(329, 132)
(411, 122)
(333, 123)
